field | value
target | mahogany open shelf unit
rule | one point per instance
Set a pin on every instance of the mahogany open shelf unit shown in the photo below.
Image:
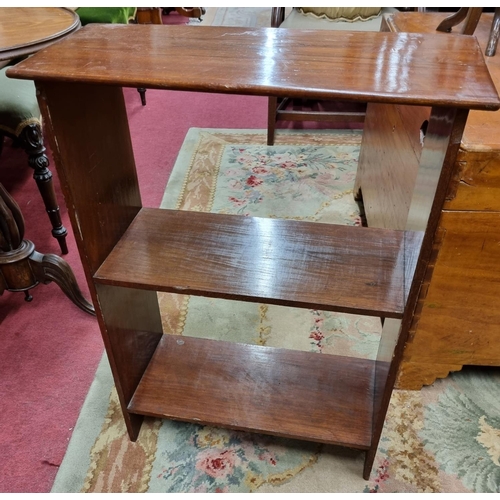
(130, 252)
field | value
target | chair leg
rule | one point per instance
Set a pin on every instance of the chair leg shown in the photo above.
(494, 34)
(32, 141)
(142, 92)
(447, 24)
(271, 119)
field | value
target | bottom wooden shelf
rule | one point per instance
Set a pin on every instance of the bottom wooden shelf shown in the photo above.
(303, 395)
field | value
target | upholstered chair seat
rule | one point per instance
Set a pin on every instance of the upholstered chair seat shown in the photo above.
(20, 120)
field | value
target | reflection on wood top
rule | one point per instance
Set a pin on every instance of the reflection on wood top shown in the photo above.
(482, 130)
(359, 66)
(24, 29)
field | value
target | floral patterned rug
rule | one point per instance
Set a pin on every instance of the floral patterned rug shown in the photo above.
(445, 438)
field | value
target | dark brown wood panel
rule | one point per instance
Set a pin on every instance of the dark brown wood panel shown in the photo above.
(286, 262)
(133, 327)
(404, 68)
(95, 163)
(287, 393)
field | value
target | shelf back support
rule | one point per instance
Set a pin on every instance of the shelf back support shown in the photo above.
(96, 168)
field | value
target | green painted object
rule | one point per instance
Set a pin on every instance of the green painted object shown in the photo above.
(121, 15)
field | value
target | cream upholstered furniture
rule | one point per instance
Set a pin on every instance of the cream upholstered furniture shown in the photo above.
(323, 18)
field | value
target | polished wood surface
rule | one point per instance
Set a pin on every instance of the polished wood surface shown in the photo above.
(149, 15)
(468, 15)
(242, 60)
(300, 110)
(128, 252)
(482, 127)
(31, 140)
(284, 262)
(436, 168)
(25, 30)
(269, 390)
(457, 315)
(391, 152)
(132, 331)
(477, 183)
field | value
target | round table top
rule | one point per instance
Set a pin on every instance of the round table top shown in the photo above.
(25, 30)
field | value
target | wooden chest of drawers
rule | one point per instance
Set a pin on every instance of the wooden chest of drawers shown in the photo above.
(458, 315)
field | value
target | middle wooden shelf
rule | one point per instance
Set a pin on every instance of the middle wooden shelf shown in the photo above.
(285, 262)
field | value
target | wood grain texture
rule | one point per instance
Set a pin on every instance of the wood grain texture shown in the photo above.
(433, 178)
(24, 30)
(348, 269)
(404, 68)
(455, 321)
(325, 266)
(413, 376)
(477, 182)
(388, 162)
(286, 393)
(95, 162)
(481, 131)
(462, 299)
(132, 330)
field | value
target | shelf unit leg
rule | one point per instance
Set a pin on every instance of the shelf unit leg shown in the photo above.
(132, 331)
(441, 144)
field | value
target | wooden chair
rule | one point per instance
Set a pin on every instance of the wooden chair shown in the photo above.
(318, 111)
(20, 120)
(470, 17)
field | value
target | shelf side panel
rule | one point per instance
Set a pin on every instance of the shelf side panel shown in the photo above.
(88, 130)
(436, 168)
(90, 140)
(388, 162)
(285, 262)
(274, 391)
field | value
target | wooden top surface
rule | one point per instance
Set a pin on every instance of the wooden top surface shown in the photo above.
(362, 66)
(23, 30)
(482, 132)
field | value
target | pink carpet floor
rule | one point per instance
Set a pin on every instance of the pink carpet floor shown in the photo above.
(49, 349)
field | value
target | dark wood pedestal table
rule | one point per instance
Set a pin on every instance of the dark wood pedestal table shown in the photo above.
(22, 267)
(130, 252)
